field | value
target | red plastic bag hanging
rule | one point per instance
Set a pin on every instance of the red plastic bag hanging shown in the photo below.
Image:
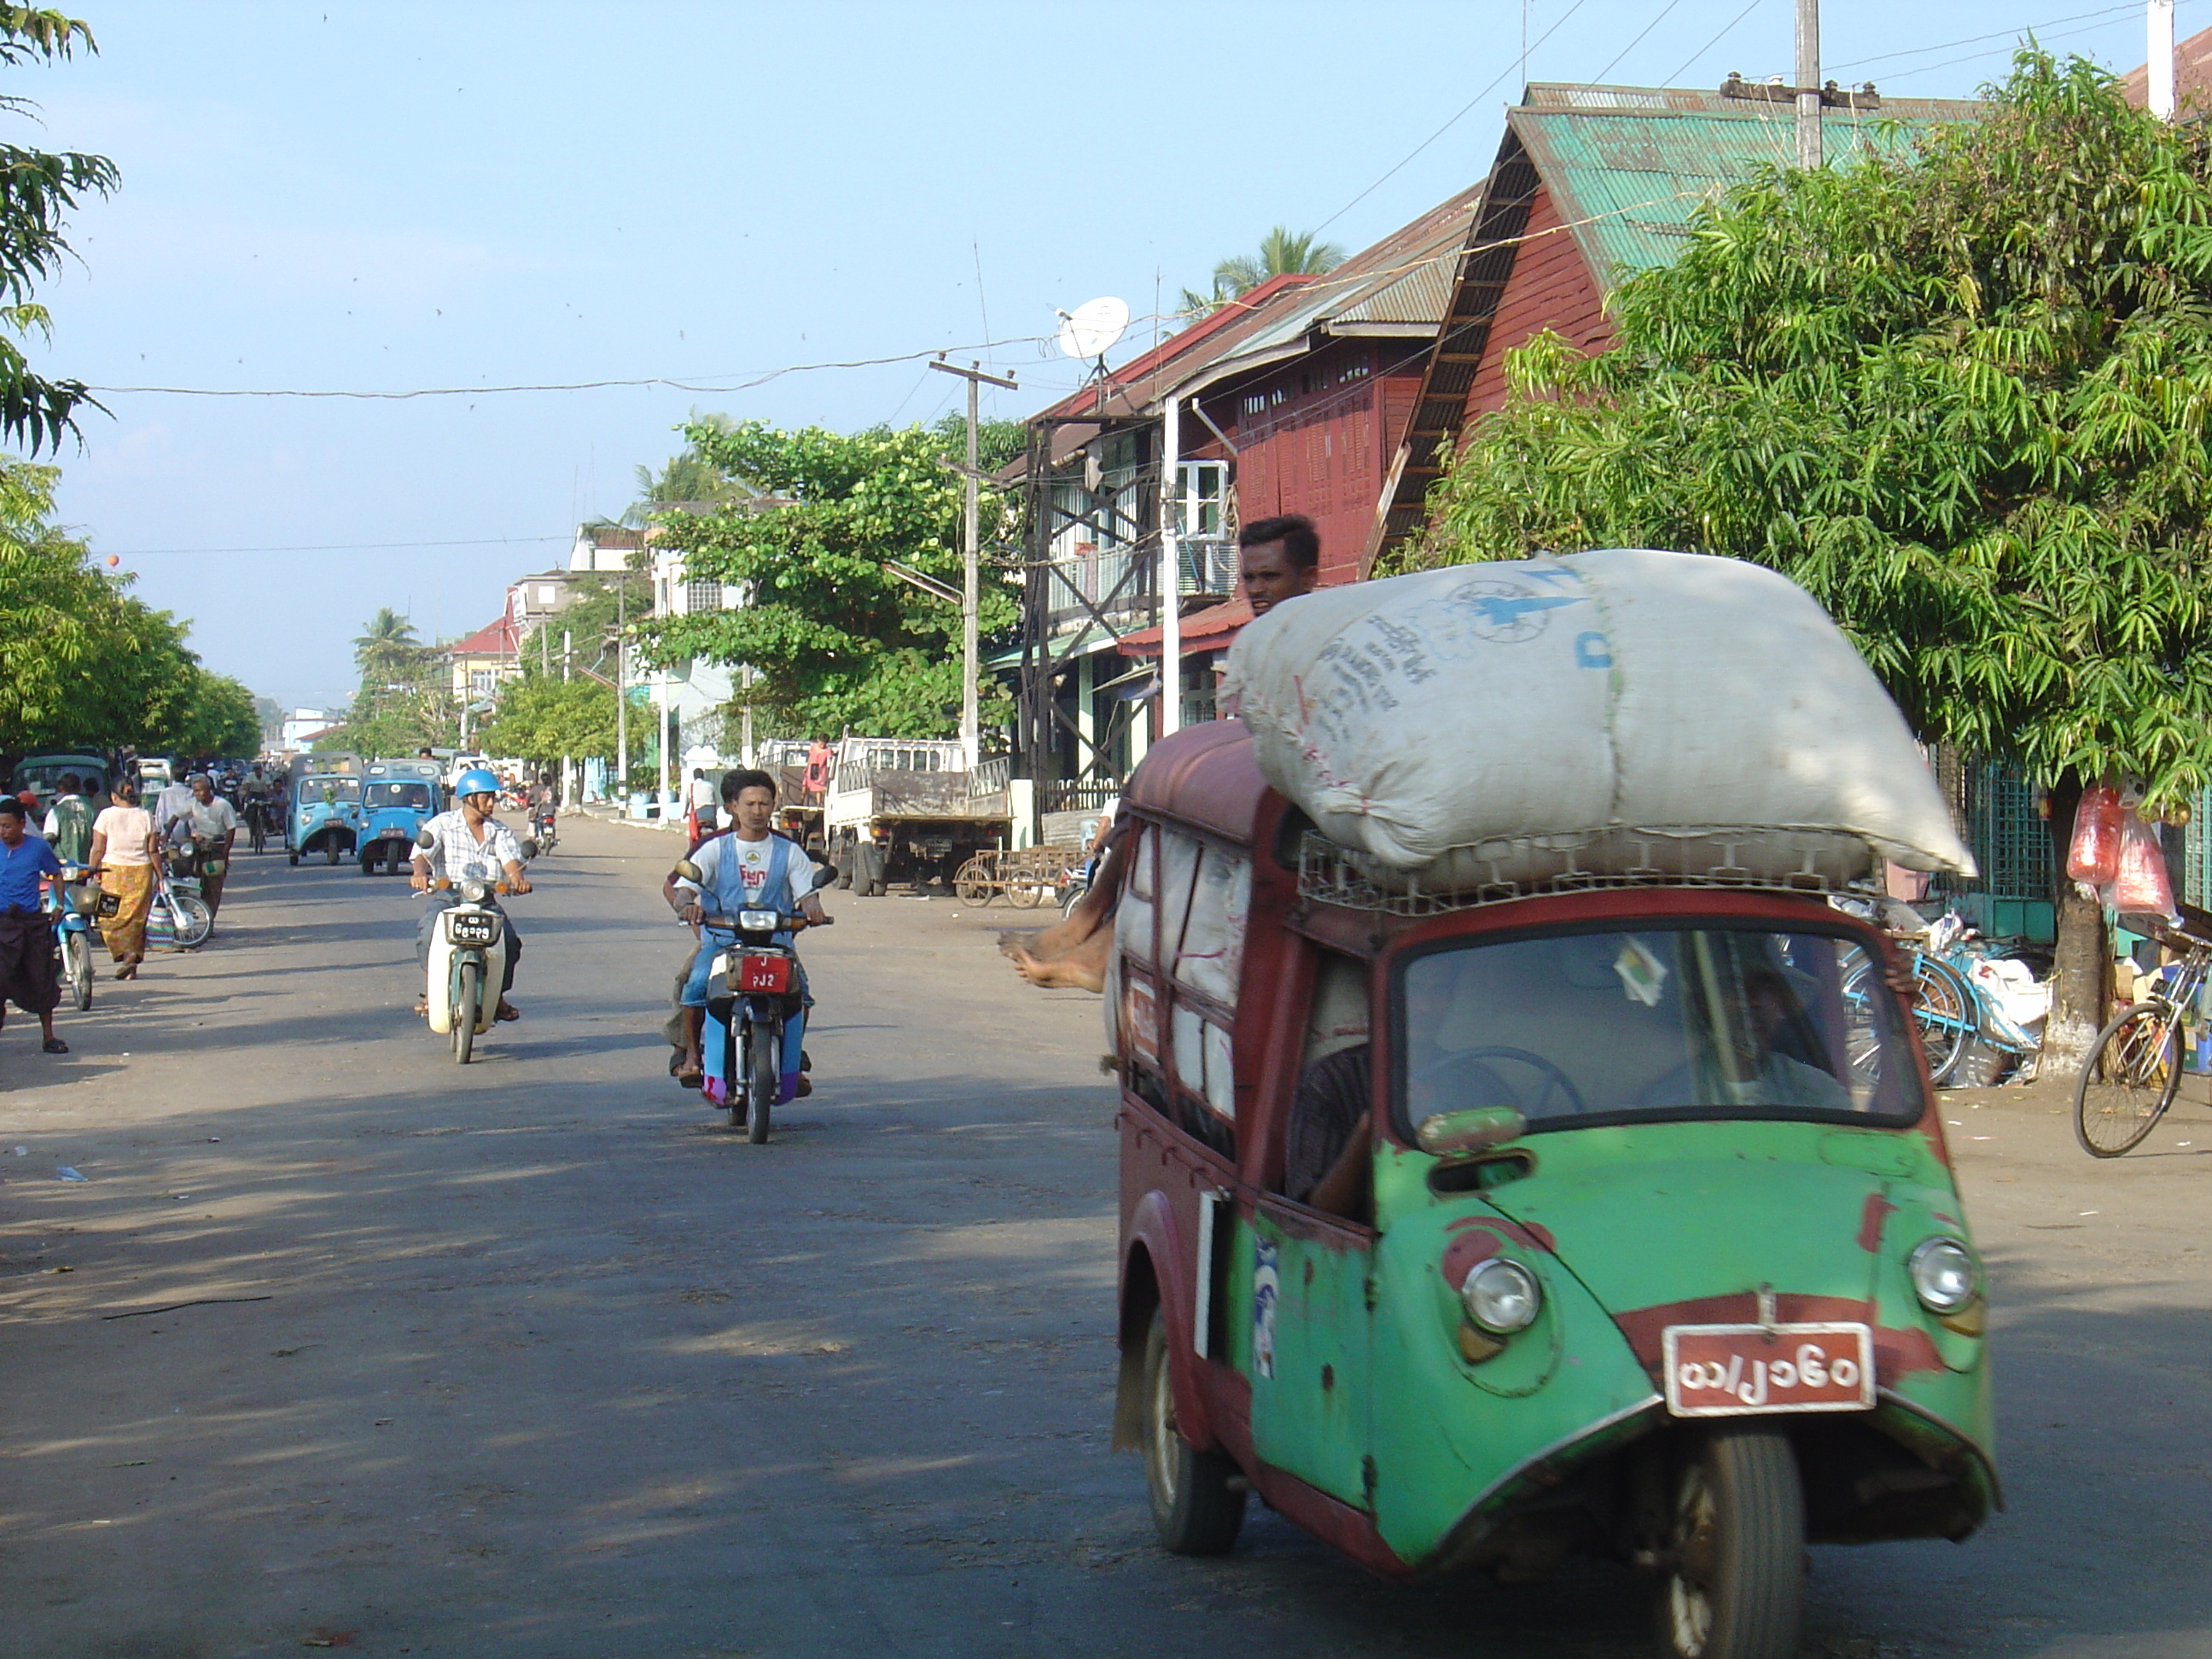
(2093, 854)
(2141, 886)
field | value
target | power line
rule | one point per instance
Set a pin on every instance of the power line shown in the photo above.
(1447, 125)
(1598, 79)
(324, 547)
(1727, 29)
(1992, 52)
(743, 380)
(2000, 34)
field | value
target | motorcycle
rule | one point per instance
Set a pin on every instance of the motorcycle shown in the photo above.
(180, 916)
(72, 902)
(752, 992)
(468, 953)
(541, 826)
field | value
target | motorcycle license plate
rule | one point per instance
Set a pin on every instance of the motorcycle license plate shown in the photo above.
(473, 930)
(1734, 1370)
(763, 974)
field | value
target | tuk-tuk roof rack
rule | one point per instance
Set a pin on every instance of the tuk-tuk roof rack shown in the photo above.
(1813, 862)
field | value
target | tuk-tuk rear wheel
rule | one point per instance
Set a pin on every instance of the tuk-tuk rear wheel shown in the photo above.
(1735, 1584)
(1198, 1501)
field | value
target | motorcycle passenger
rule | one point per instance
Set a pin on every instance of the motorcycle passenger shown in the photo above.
(544, 801)
(750, 868)
(469, 843)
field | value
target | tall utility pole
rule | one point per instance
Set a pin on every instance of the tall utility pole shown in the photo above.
(621, 694)
(569, 792)
(1808, 83)
(970, 567)
(2159, 58)
(1171, 566)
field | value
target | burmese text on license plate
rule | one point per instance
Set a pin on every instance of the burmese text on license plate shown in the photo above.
(1731, 1370)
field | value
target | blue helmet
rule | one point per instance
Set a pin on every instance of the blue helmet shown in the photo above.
(476, 781)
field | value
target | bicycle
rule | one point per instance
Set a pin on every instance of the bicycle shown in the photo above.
(1967, 1037)
(2133, 1070)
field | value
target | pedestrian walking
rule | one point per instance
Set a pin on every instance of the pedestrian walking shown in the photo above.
(27, 978)
(124, 847)
(703, 797)
(69, 823)
(212, 824)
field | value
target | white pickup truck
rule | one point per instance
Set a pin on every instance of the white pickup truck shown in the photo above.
(907, 809)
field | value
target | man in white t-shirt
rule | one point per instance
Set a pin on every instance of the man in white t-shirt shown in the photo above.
(210, 823)
(752, 867)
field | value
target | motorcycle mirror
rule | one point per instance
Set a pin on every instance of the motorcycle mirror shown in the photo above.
(529, 845)
(424, 839)
(1460, 1134)
(824, 874)
(687, 870)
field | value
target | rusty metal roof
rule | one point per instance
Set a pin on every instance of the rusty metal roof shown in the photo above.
(1402, 281)
(1628, 165)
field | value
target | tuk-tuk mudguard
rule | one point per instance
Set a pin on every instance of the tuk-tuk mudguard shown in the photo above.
(1629, 1229)
(1150, 1233)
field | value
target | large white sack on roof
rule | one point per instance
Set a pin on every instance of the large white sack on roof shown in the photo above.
(1603, 692)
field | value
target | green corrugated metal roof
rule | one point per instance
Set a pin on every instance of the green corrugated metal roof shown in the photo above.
(1627, 167)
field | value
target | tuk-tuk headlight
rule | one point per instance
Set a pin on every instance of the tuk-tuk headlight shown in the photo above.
(1502, 1297)
(1944, 1274)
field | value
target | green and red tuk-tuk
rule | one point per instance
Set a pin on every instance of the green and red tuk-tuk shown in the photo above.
(1475, 1230)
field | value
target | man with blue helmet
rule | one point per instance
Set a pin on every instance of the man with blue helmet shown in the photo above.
(469, 843)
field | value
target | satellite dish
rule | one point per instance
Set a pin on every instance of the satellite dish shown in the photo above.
(1091, 328)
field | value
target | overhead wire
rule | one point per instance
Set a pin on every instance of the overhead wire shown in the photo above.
(1727, 29)
(1487, 89)
(2130, 7)
(1599, 78)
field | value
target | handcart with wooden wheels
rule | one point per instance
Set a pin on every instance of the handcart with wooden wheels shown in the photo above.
(1027, 876)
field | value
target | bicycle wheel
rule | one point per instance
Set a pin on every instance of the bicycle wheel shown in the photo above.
(1944, 1014)
(2129, 1079)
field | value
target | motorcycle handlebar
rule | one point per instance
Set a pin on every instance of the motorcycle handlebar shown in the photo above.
(784, 924)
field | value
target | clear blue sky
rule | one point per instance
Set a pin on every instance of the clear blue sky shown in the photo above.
(324, 194)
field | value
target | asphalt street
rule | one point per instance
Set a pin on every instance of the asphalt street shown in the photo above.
(339, 1344)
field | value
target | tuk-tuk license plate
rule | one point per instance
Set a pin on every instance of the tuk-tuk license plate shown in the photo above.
(1734, 1370)
(763, 973)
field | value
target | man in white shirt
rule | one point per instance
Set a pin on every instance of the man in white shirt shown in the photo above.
(210, 823)
(468, 843)
(752, 867)
(169, 806)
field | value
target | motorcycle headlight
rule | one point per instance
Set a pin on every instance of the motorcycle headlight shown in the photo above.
(474, 891)
(758, 921)
(1944, 1274)
(1502, 1297)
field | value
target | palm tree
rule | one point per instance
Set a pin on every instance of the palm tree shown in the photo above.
(1283, 253)
(389, 634)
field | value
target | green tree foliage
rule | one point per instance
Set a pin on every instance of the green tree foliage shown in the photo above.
(838, 638)
(689, 480)
(1964, 397)
(87, 663)
(1283, 253)
(405, 701)
(542, 718)
(37, 190)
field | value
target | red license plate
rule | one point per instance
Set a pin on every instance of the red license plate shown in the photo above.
(763, 973)
(1734, 1370)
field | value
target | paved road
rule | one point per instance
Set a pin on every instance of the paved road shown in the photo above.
(544, 1362)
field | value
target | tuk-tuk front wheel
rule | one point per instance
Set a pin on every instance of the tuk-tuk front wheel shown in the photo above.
(1734, 1586)
(1197, 1499)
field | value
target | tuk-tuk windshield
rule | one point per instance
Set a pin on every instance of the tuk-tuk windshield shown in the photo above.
(1657, 1023)
(332, 790)
(417, 795)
